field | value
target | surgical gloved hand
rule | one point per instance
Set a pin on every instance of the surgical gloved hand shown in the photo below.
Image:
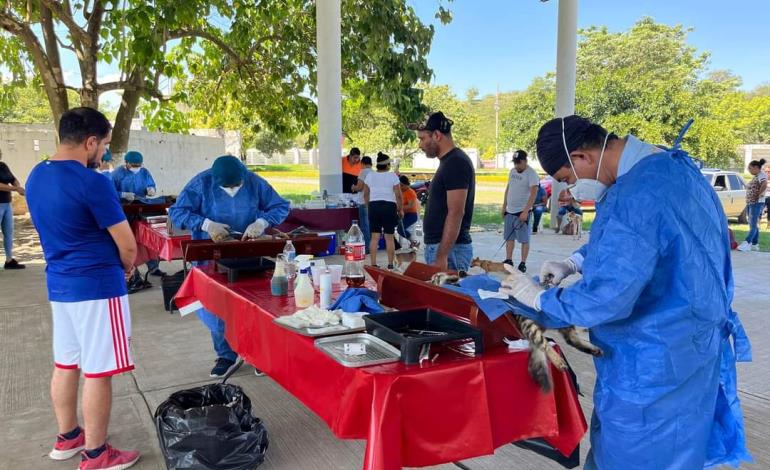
(217, 232)
(556, 271)
(150, 192)
(128, 196)
(255, 229)
(522, 288)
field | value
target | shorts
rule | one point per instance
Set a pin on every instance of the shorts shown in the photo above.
(459, 258)
(383, 217)
(93, 335)
(515, 229)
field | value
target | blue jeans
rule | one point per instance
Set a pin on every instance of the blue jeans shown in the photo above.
(537, 213)
(153, 264)
(410, 218)
(755, 211)
(363, 224)
(217, 328)
(459, 257)
(6, 224)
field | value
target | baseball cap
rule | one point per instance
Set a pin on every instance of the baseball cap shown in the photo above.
(519, 155)
(435, 122)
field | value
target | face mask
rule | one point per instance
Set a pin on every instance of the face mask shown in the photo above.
(134, 170)
(231, 191)
(586, 189)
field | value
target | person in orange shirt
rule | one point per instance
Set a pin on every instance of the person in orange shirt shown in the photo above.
(411, 207)
(351, 167)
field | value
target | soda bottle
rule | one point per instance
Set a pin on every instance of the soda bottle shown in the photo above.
(355, 253)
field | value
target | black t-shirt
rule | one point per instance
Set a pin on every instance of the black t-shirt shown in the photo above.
(6, 177)
(348, 180)
(455, 171)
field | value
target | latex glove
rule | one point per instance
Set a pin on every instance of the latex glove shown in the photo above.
(150, 192)
(217, 232)
(556, 271)
(522, 288)
(255, 229)
(128, 196)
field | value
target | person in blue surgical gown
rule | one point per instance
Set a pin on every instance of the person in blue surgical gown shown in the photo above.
(216, 203)
(133, 181)
(656, 292)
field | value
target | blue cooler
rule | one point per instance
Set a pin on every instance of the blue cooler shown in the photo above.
(332, 248)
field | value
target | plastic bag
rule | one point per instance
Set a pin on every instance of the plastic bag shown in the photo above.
(210, 427)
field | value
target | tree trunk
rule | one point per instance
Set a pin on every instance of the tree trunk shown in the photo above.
(128, 104)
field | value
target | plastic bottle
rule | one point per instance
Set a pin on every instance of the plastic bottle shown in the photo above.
(279, 284)
(304, 294)
(355, 253)
(289, 253)
(417, 232)
(325, 289)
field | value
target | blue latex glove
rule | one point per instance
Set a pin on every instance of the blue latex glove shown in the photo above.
(358, 300)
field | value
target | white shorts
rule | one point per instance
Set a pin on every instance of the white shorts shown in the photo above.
(93, 335)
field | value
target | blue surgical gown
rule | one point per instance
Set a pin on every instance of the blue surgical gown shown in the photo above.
(127, 182)
(203, 199)
(656, 293)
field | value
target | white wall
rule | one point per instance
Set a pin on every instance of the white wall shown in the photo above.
(173, 159)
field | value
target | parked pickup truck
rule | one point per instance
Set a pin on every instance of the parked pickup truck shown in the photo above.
(731, 190)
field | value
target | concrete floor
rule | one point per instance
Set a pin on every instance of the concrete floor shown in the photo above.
(173, 353)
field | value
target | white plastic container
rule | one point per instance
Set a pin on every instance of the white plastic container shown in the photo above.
(325, 290)
(304, 294)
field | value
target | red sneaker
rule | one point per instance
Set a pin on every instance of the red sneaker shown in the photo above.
(110, 459)
(65, 449)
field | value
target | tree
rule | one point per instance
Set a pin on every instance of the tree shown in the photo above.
(262, 52)
(647, 81)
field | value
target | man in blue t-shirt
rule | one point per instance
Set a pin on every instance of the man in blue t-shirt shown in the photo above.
(89, 250)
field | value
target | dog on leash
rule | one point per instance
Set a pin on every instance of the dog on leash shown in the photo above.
(572, 224)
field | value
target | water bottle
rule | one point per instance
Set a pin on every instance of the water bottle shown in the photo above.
(417, 232)
(355, 253)
(289, 253)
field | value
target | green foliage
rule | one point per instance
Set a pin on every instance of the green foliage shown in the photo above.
(253, 60)
(25, 102)
(648, 81)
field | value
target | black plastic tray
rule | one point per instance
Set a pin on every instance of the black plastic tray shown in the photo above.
(236, 267)
(401, 329)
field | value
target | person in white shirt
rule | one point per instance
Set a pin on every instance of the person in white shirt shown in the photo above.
(517, 207)
(358, 190)
(382, 195)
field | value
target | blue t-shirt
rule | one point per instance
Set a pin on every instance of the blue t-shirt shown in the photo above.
(71, 207)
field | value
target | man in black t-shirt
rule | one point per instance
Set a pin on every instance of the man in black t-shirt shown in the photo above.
(8, 185)
(449, 210)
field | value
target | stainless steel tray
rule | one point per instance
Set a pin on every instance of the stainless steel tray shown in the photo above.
(377, 350)
(318, 332)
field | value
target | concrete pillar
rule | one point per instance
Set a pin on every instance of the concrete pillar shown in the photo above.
(329, 39)
(566, 65)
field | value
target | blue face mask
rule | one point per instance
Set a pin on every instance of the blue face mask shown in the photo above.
(585, 189)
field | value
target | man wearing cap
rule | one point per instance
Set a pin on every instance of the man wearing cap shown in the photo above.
(105, 166)
(517, 207)
(656, 292)
(351, 167)
(216, 204)
(449, 210)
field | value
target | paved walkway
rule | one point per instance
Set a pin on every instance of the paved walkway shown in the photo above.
(174, 353)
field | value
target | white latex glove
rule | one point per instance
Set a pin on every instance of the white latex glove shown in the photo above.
(128, 196)
(556, 271)
(522, 288)
(255, 229)
(151, 192)
(217, 232)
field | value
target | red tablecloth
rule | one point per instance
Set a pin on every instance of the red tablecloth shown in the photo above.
(454, 409)
(154, 242)
(321, 220)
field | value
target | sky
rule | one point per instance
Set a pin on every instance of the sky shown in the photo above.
(510, 42)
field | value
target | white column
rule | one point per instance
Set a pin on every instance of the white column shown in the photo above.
(566, 65)
(328, 38)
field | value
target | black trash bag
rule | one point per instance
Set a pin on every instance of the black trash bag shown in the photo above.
(210, 427)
